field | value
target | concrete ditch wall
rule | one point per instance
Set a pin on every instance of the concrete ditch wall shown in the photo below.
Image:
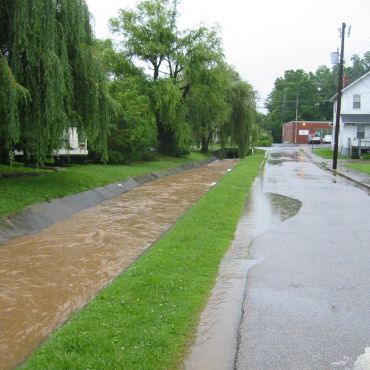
(36, 217)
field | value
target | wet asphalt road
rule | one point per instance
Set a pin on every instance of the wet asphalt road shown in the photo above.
(307, 303)
(293, 291)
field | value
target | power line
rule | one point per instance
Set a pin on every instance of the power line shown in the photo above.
(301, 101)
(305, 100)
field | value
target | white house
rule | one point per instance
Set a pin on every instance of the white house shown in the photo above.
(76, 147)
(354, 132)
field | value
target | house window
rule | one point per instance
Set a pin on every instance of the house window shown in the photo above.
(360, 131)
(356, 101)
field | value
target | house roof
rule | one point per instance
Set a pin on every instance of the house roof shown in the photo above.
(351, 84)
(355, 118)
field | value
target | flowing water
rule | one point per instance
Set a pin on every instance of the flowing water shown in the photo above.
(47, 276)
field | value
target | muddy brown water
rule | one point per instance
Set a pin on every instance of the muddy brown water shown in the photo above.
(47, 276)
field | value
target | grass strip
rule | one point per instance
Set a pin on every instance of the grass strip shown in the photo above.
(17, 193)
(145, 318)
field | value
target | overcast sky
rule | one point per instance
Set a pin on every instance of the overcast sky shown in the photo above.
(264, 38)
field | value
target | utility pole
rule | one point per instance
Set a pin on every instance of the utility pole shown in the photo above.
(339, 99)
(296, 119)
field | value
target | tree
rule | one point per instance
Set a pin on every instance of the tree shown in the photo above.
(359, 66)
(314, 91)
(133, 136)
(11, 94)
(243, 109)
(282, 102)
(47, 49)
(325, 80)
(295, 95)
(238, 128)
(150, 36)
(207, 104)
(261, 131)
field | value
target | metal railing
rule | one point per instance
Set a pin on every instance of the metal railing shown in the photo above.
(364, 143)
(358, 145)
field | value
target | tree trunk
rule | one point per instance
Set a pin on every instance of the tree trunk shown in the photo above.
(166, 138)
(4, 156)
(156, 73)
(204, 148)
(206, 140)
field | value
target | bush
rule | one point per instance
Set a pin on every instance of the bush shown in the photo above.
(264, 141)
(134, 136)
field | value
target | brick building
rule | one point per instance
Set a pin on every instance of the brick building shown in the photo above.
(296, 132)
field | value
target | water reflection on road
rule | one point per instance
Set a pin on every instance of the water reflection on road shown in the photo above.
(307, 298)
(47, 276)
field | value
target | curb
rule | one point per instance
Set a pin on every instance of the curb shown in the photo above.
(335, 172)
(39, 216)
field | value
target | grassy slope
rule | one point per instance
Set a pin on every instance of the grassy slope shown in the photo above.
(145, 318)
(16, 193)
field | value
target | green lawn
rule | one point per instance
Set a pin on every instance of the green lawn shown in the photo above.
(18, 168)
(360, 166)
(365, 156)
(18, 192)
(146, 317)
(327, 153)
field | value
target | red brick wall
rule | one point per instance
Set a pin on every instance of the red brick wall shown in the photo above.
(289, 134)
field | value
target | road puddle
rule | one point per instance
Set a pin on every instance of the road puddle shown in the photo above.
(47, 276)
(266, 210)
(279, 158)
(216, 342)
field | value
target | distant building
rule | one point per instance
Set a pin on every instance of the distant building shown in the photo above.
(297, 132)
(354, 130)
(76, 146)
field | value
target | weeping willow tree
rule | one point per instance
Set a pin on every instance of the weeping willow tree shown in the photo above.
(150, 36)
(11, 93)
(237, 129)
(47, 54)
(208, 106)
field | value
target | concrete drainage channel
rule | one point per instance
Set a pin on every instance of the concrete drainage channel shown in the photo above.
(37, 217)
(46, 276)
